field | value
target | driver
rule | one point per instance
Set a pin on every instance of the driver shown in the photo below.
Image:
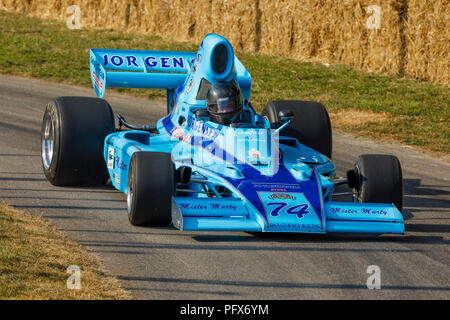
(224, 102)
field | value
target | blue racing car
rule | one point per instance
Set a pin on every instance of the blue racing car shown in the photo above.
(213, 162)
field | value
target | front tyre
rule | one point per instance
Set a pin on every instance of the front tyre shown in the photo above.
(151, 185)
(379, 179)
(72, 137)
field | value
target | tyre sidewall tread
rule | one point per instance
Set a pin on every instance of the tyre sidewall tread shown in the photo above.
(311, 124)
(381, 179)
(153, 183)
(81, 125)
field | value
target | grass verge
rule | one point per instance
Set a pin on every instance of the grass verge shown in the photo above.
(34, 257)
(414, 113)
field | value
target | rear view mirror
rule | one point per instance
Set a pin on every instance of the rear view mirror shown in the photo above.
(202, 114)
(285, 115)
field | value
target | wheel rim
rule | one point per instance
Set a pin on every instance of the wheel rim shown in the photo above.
(48, 142)
(358, 185)
(130, 191)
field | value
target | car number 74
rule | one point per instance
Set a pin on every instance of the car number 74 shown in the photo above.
(299, 210)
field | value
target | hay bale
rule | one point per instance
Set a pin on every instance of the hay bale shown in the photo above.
(415, 43)
(232, 19)
(235, 20)
(278, 20)
(332, 32)
(94, 13)
(428, 44)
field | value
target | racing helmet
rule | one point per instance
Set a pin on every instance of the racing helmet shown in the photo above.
(224, 102)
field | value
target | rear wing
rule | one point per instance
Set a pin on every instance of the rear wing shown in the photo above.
(146, 69)
(138, 69)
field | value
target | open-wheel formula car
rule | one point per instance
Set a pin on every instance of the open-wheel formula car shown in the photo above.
(213, 162)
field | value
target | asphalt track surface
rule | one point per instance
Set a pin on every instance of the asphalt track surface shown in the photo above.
(164, 263)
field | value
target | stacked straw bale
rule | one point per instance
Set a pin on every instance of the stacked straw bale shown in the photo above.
(332, 31)
(235, 20)
(413, 38)
(428, 40)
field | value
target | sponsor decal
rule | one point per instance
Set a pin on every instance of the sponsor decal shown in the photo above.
(342, 210)
(372, 211)
(219, 206)
(299, 226)
(184, 205)
(200, 127)
(190, 121)
(97, 82)
(97, 67)
(281, 196)
(117, 61)
(281, 187)
(120, 164)
(368, 211)
(180, 135)
(110, 158)
(211, 206)
(117, 180)
(189, 86)
(253, 153)
(150, 61)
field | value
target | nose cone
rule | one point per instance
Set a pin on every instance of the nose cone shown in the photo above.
(215, 58)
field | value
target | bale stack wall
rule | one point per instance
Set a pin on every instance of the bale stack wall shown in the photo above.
(412, 38)
(428, 40)
(333, 32)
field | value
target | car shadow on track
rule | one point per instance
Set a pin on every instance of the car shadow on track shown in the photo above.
(277, 285)
(426, 203)
(328, 238)
(275, 243)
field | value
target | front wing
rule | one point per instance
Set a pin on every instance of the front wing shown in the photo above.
(211, 214)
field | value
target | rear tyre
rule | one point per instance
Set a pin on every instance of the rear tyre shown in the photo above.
(379, 179)
(310, 126)
(151, 185)
(72, 137)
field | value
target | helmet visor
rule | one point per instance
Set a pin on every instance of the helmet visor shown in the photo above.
(224, 101)
(226, 105)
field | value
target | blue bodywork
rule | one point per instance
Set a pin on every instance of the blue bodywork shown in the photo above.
(244, 177)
